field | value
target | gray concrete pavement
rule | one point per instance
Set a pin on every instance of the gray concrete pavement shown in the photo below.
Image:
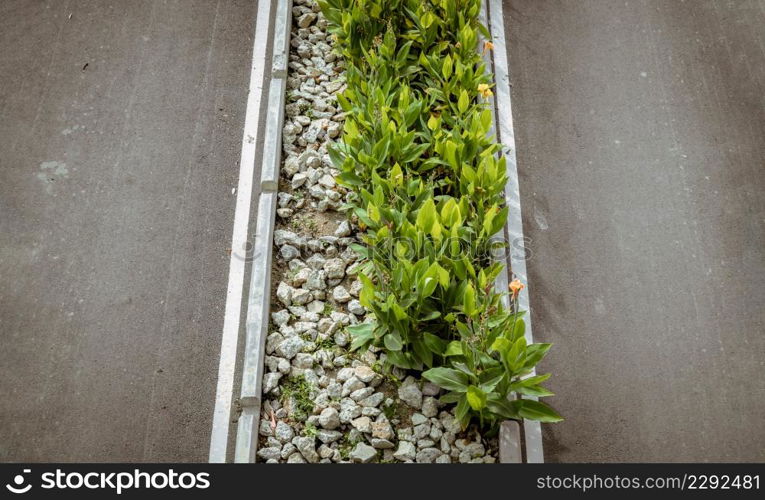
(641, 146)
(120, 140)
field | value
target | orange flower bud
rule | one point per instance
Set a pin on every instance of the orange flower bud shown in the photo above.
(515, 287)
(484, 90)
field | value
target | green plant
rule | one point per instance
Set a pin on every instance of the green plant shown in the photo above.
(346, 445)
(326, 343)
(429, 196)
(310, 430)
(328, 309)
(298, 390)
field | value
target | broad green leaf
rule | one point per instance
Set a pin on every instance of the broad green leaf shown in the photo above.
(486, 120)
(433, 122)
(450, 397)
(535, 353)
(464, 101)
(422, 352)
(396, 175)
(361, 250)
(463, 329)
(336, 156)
(431, 315)
(367, 294)
(535, 380)
(516, 356)
(447, 378)
(518, 329)
(490, 383)
(450, 154)
(502, 407)
(398, 311)
(392, 341)
(362, 334)
(443, 277)
(501, 345)
(461, 412)
(426, 216)
(476, 398)
(536, 391)
(373, 213)
(535, 410)
(447, 67)
(436, 344)
(468, 300)
(399, 359)
(454, 348)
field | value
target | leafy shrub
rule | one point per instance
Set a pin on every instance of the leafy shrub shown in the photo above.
(428, 184)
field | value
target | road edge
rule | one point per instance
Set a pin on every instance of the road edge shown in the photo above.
(219, 437)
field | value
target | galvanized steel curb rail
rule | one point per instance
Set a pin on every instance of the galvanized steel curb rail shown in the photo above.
(532, 431)
(259, 302)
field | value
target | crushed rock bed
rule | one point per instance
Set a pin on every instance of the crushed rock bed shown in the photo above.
(323, 403)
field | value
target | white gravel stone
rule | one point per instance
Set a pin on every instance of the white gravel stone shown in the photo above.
(283, 432)
(299, 179)
(406, 451)
(303, 360)
(280, 317)
(307, 447)
(301, 296)
(327, 436)
(356, 308)
(271, 453)
(282, 237)
(430, 389)
(363, 453)
(290, 347)
(343, 229)
(381, 444)
(373, 401)
(341, 338)
(335, 268)
(340, 294)
(306, 19)
(327, 181)
(349, 410)
(329, 418)
(382, 429)
(364, 373)
(429, 407)
(289, 252)
(270, 382)
(419, 419)
(363, 424)
(362, 393)
(284, 293)
(316, 261)
(410, 394)
(352, 384)
(427, 455)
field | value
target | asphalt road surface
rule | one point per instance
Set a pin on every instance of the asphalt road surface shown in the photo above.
(640, 129)
(119, 147)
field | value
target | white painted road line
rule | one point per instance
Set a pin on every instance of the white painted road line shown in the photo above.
(227, 365)
(532, 430)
